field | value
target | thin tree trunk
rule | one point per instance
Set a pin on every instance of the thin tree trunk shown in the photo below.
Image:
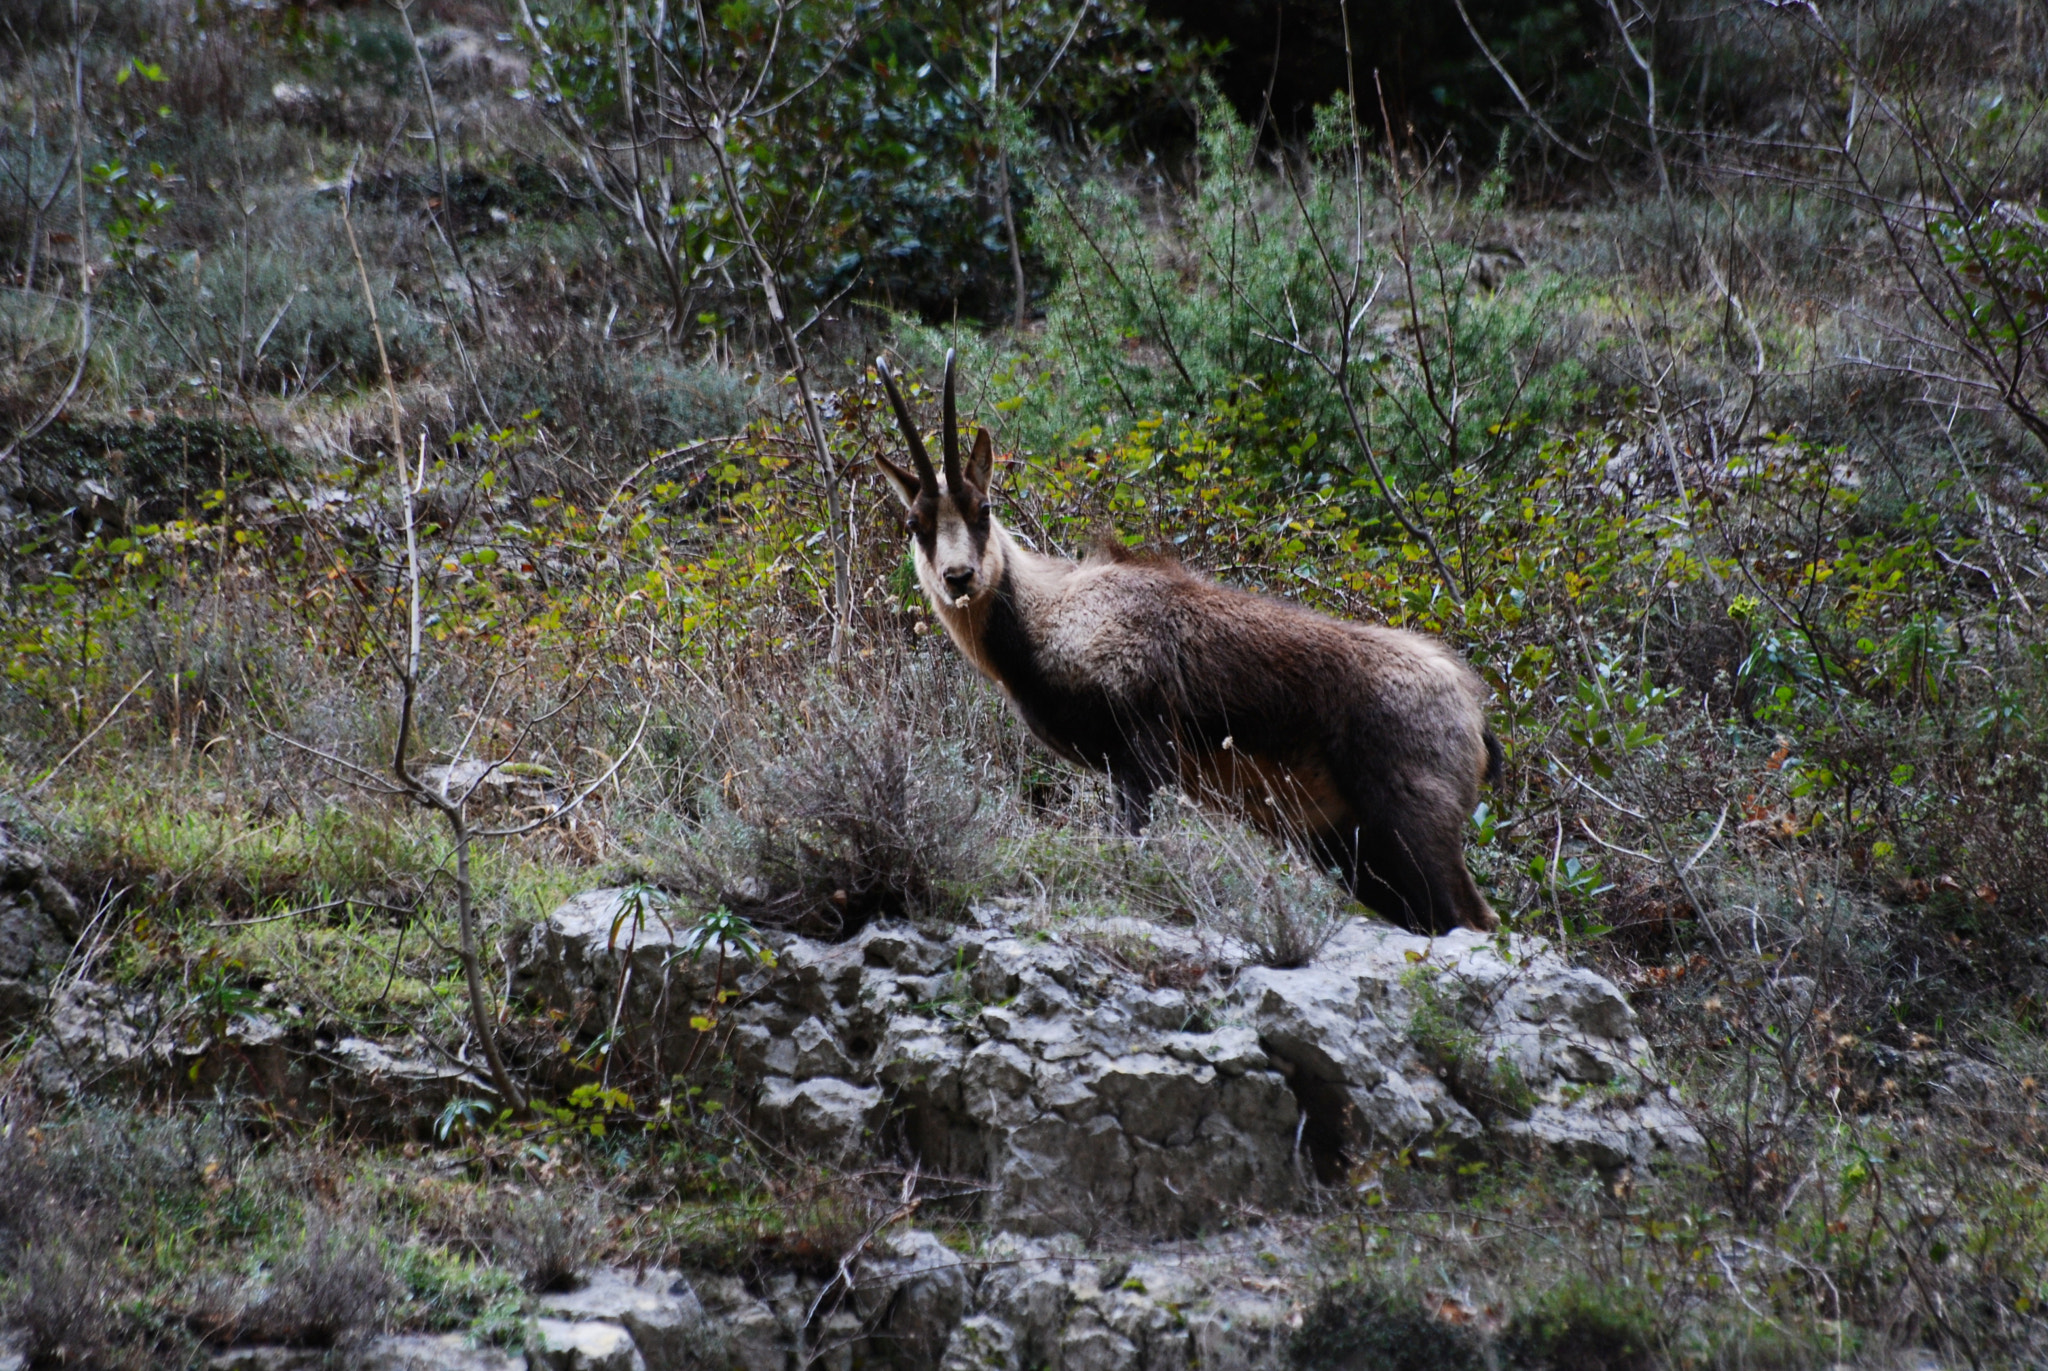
(444, 218)
(995, 95)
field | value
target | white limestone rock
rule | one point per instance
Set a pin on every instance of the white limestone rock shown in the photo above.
(1088, 1099)
(826, 1116)
(582, 1345)
(658, 1308)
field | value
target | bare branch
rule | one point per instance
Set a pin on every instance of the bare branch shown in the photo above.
(79, 746)
(563, 811)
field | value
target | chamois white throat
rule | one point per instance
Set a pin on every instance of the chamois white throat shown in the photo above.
(1364, 745)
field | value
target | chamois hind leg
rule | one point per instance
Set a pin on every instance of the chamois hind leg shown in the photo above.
(1134, 789)
(1405, 858)
(1380, 873)
(1436, 837)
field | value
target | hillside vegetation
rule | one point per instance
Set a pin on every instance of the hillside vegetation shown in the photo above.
(491, 389)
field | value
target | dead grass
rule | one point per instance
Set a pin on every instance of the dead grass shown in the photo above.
(333, 1291)
(549, 1242)
(840, 805)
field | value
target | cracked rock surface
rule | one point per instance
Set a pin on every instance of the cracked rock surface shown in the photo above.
(39, 921)
(1086, 1097)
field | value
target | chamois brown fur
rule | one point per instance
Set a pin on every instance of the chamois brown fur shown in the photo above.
(1366, 744)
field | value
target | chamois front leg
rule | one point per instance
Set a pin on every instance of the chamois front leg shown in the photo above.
(1133, 798)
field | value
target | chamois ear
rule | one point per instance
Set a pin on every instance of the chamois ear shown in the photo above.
(905, 482)
(981, 461)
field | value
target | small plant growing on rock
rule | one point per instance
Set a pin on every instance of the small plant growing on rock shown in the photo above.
(1441, 1033)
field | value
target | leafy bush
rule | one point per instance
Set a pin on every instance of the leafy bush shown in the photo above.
(1237, 295)
(165, 466)
(448, 1290)
(873, 156)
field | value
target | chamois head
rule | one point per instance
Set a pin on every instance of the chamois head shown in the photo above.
(947, 515)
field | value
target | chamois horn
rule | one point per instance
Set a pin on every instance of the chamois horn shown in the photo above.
(954, 482)
(927, 482)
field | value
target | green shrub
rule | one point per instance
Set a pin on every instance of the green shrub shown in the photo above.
(450, 1291)
(165, 465)
(1580, 1326)
(1158, 316)
(619, 407)
(273, 315)
(873, 159)
(1354, 1327)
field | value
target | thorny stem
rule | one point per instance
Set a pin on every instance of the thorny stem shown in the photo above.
(481, 1016)
(1351, 310)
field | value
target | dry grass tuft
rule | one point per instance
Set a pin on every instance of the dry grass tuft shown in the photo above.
(1240, 885)
(843, 811)
(67, 1290)
(548, 1241)
(332, 1292)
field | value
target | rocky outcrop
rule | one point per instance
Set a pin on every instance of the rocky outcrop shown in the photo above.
(91, 1035)
(910, 1302)
(391, 1352)
(38, 926)
(97, 1036)
(1084, 1098)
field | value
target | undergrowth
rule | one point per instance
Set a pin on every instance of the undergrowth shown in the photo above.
(1750, 558)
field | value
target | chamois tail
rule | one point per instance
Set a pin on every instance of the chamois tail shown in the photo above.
(1496, 760)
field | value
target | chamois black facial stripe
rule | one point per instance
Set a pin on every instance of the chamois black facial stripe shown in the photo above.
(924, 522)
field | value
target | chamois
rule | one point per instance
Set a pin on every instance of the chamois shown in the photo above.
(1364, 743)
